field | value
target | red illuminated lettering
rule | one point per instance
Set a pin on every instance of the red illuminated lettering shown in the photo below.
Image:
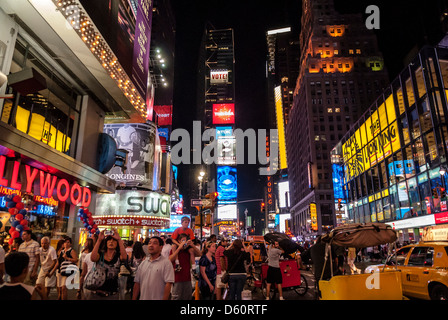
(3, 182)
(61, 183)
(75, 188)
(15, 175)
(47, 184)
(30, 177)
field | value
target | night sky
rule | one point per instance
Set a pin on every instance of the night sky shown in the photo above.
(404, 24)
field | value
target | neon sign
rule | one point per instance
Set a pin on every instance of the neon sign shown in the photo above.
(48, 184)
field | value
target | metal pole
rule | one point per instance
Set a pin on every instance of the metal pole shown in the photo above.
(200, 210)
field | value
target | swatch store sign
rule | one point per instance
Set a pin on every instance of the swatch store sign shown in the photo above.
(133, 208)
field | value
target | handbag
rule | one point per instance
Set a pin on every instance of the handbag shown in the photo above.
(96, 277)
(226, 275)
(67, 268)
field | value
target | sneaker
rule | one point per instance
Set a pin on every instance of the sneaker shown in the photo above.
(281, 298)
(267, 298)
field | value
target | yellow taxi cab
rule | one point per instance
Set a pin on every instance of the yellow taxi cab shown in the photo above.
(424, 269)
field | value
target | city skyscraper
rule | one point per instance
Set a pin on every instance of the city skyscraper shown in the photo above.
(216, 109)
(282, 69)
(341, 72)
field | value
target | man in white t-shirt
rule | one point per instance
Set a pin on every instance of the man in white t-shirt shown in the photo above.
(155, 275)
(48, 259)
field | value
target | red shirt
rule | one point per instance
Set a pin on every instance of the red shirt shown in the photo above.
(180, 230)
(218, 254)
(184, 261)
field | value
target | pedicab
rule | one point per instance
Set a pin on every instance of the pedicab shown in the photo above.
(292, 279)
(383, 284)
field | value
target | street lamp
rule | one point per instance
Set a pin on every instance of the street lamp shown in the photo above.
(200, 178)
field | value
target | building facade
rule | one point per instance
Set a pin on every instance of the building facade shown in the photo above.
(341, 73)
(392, 163)
(218, 112)
(282, 70)
(70, 68)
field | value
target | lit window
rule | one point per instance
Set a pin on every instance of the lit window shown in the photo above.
(350, 51)
(337, 110)
(330, 110)
(336, 51)
(316, 138)
(358, 51)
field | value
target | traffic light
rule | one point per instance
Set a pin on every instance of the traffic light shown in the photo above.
(263, 205)
(435, 195)
(442, 193)
(339, 204)
(214, 197)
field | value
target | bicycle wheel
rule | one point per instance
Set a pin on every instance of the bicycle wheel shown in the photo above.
(303, 288)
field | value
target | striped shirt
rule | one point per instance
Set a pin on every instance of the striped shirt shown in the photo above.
(31, 248)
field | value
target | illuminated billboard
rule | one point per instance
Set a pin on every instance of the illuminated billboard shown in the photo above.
(175, 222)
(219, 76)
(280, 127)
(227, 212)
(223, 132)
(226, 183)
(226, 151)
(375, 139)
(164, 115)
(283, 194)
(139, 139)
(338, 181)
(224, 113)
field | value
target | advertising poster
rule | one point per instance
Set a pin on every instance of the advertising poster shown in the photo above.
(224, 113)
(219, 76)
(223, 132)
(164, 115)
(226, 151)
(283, 194)
(227, 212)
(139, 140)
(227, 183)
(375, 139)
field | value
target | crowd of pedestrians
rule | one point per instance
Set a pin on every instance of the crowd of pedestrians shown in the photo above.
(108, 268)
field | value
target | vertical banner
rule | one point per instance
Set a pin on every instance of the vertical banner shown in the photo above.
(140, 61)
(164, 115)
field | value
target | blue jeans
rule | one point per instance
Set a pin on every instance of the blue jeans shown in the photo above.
(236, 286)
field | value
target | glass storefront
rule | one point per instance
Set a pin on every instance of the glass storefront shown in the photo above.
(395, 156)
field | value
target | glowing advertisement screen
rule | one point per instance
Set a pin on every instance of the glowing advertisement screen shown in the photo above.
(224, 113)
(227, 183)
(223, 132)
(175, 222)
(338, 182)
(227, 212)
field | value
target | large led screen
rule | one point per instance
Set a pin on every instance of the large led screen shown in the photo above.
(338, 182)
(227, 212)
(227, 183)
(283, 194)
(224, 113)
